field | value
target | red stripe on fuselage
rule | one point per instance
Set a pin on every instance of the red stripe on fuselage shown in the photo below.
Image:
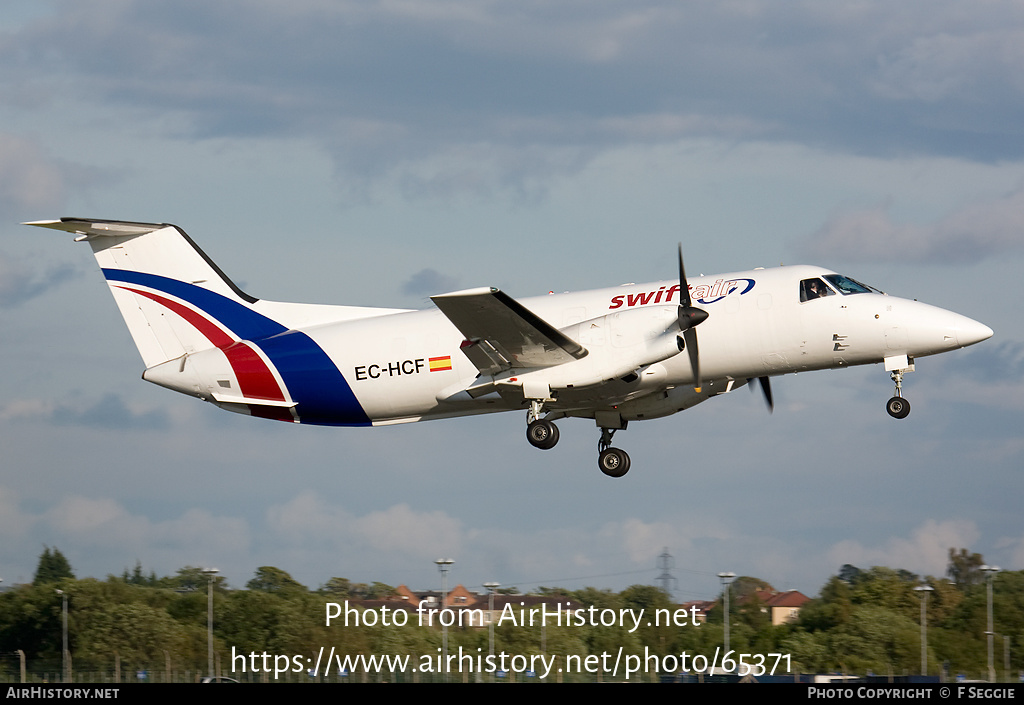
(259, 382)
(254, 377)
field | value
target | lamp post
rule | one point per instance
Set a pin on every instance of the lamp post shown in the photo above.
(990, 573)
(726, 579)
(209, 573)
(923, 591)
(444, 565)
(64, 635)
(491, 587)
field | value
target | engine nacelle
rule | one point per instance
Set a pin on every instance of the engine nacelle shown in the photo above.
(618, 344)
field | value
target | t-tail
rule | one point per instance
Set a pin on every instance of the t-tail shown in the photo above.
(201, 335)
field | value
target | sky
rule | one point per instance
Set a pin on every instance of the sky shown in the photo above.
(375, 153)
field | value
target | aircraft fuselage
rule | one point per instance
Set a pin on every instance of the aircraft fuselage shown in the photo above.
(614, 355)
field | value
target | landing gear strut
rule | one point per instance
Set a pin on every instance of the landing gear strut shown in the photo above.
(541, 433)
(614, 462)
(898, 407)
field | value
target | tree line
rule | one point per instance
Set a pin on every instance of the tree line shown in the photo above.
(862, 621)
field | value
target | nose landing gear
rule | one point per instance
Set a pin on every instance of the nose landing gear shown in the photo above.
(898, 407)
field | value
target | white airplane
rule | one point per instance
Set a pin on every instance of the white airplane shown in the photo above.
(613, 355)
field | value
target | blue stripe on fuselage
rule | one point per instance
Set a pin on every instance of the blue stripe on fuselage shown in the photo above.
(323, 396)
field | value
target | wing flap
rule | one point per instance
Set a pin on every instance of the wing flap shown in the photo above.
(503, 334)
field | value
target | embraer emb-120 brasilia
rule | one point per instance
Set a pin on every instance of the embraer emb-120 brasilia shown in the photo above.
(613, 355)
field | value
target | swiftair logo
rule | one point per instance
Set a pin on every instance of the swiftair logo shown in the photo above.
(702, 293)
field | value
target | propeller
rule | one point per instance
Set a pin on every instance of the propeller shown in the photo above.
(766, 389)
(689, 317)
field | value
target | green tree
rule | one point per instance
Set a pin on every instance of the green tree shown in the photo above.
(53, 566)
(745, 586)
(656, 630)
(113, 619)
(271, 579)
(336, 588)
(875, 639)
(30, 620)
(849, 574)
(965, 568)
(191, 579)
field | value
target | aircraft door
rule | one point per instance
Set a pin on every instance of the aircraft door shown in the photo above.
(823, 326)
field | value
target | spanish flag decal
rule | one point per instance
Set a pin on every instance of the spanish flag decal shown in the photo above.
(440, 364)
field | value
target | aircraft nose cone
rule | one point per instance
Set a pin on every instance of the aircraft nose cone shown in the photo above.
(969, 332)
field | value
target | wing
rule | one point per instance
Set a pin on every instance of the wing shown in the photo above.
(502, 334)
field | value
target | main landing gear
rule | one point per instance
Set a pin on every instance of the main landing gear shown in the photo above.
(614, 462)
(898, 407)
(543, 434)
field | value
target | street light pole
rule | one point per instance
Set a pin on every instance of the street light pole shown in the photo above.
(491, 587)
(726, 579)
(990, 572)
(64, 635)
(923, 591)
(209, 573)
(444, 565)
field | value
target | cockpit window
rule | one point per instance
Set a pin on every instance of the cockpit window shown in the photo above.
(846, 286)
(811, 289)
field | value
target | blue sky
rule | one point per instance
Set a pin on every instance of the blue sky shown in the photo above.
(374, 153)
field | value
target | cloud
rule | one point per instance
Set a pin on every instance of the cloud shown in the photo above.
(109, 413)
(19, 283)
(429, 281)
(33, 182)
(1000, 360)
(14, 523)
(388, 88)
(932, 68)
(308, 520)
(1014, 548)
(395, 528)
(29, 179)
(100, 531)
(926, 552)
(975, 232)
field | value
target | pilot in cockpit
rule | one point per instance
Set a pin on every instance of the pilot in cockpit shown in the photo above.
(813, 289)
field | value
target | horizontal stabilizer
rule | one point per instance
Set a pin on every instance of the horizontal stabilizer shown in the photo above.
(89, 228)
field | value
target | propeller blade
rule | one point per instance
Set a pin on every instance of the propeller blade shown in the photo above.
(684, 291)
(766, 390)
(688, 318)
(766, 387)
(690, 338)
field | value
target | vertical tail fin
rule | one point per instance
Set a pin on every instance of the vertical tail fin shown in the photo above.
(175, 300)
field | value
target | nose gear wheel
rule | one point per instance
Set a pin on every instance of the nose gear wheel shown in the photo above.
(898, 407)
